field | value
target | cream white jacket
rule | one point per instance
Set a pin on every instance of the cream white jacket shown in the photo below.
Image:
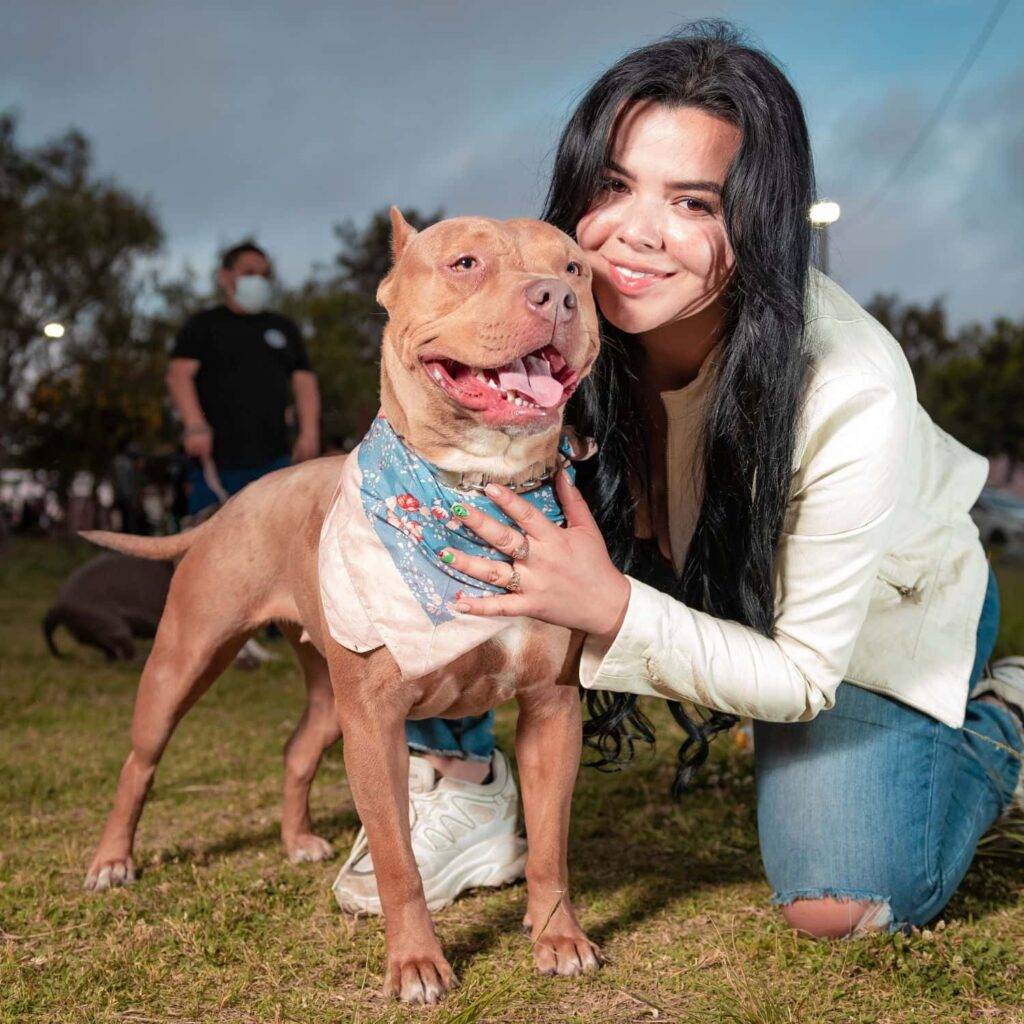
(880, 575)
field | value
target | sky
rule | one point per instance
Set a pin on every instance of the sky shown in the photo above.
(282, 119)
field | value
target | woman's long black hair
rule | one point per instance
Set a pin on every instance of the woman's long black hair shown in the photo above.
(752, 415)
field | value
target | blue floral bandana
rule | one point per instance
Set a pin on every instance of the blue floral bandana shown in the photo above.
(381, 576)
(411, 513)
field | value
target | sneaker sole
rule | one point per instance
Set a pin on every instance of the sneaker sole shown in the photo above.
(490, 864)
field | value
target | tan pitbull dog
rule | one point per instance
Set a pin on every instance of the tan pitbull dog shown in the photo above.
(464, 296)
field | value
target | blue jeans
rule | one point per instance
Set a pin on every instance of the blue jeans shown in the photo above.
(469, 738)
(199, 494)
(875, 801)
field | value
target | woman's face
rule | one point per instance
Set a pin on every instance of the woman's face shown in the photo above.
(654, 235)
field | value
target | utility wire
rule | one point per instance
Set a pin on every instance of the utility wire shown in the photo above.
(940, 108)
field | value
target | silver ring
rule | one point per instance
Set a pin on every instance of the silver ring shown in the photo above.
(520, 554)
(515, 584)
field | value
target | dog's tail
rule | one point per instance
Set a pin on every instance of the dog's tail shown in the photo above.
(159, 549)
(53, 619)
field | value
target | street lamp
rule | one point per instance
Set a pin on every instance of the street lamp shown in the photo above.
(822, 213)
(54, 330)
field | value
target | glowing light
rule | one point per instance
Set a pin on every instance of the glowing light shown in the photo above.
(824, 212)
(54, 330)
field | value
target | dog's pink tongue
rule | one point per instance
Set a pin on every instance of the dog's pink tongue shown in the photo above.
(531, 377)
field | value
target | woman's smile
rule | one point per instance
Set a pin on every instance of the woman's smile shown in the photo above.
(632, 279)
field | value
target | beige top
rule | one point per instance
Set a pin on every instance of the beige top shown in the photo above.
(684, 412)
(880, 575)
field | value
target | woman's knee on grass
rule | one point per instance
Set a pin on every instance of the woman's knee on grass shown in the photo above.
(830, 917)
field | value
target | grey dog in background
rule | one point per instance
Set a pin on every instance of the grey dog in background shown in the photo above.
(115, 599)
(110, 602)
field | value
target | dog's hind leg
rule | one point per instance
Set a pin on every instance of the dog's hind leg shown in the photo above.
(317, 730)
(189, 653)
(548, 739)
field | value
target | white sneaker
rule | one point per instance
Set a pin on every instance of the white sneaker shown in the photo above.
(463, 837)
(1007, 683)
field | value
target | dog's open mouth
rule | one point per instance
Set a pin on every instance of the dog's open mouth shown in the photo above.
(533, 385)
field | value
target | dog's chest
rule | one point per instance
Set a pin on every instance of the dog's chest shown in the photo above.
(527, 653)
(382, 579)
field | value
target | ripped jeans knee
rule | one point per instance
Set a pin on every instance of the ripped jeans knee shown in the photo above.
(836, 915)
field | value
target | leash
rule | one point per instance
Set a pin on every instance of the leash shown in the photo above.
(212, 478)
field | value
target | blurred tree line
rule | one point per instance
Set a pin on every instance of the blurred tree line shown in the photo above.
(76, 249)
(970, 380)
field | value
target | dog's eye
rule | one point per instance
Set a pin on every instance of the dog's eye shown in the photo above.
(464, 263)
(574, 267)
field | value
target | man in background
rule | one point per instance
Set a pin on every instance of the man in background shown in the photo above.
(127, 471)
(232, 373)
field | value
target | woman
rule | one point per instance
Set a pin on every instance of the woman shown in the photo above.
(773, 513)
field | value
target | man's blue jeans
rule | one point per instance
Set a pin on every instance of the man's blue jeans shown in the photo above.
(875, 801)
(199, 494)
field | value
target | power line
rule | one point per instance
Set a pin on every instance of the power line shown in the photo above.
(940, 108)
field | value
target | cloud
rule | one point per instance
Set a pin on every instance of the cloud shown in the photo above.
(952, 225)
(282, 119)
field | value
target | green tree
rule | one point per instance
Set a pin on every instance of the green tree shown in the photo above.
(922, 331)
(68, 245)
(977, 395)
(106, 391)
(972, 381)
(365, 253)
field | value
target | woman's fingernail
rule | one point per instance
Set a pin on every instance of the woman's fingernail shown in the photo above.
(493, 491)
(447, 557)
(461, 606)
(460, 510)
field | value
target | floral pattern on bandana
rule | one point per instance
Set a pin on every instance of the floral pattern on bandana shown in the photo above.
(410, 510)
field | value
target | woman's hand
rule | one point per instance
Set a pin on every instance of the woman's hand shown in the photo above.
(566, 579)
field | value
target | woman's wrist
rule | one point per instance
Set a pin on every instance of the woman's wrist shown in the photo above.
(618, 603)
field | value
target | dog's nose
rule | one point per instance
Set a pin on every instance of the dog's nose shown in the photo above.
(552, 299)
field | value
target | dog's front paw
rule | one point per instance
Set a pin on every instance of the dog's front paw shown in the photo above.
(109, 873)
(308, 849)
(419, 979)
(568, 954)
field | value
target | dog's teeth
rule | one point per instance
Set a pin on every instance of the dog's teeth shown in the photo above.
(492, 384)
(480, 376)
(437, 374)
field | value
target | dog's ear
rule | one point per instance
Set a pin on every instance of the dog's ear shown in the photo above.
(401, 232)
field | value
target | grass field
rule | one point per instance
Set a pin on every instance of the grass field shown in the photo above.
(220, 928)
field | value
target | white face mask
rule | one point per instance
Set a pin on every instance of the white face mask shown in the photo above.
(252, 293)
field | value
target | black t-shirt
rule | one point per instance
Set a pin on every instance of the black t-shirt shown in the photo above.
(246, 362)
